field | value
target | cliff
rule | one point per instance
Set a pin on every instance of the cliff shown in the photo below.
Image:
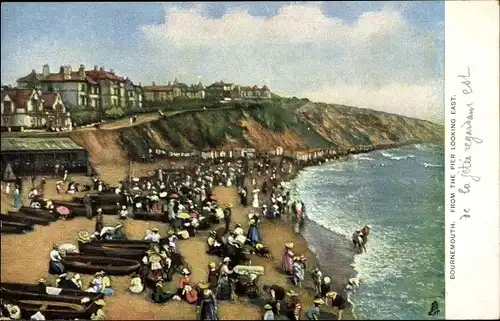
(290, 123)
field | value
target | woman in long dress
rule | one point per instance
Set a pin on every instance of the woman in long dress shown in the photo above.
(225, 290)
(288, 255)
(255, 202)
(17, 198)
(206, 304)
(253, 232)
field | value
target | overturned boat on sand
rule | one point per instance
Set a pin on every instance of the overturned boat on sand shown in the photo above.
(111, 252)
(52, 307)
(150, 216)
(89, 264)
(14, 227)
(17, 290)
(38, 212)
(29, 218)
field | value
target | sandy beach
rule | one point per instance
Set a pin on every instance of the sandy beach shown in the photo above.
(24, 258)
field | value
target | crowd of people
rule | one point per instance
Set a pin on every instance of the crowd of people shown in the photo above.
(186, 201)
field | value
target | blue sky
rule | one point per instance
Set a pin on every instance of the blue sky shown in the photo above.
(382, 55)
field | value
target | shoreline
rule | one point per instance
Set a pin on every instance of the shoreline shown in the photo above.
(283, 230)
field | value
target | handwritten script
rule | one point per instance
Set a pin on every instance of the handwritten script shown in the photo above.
(462, 176)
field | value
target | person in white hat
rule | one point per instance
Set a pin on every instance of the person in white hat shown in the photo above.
(313, 312)
(269, 314)
(337, 301)
(123, 212)
(224, 269)
(153, 236)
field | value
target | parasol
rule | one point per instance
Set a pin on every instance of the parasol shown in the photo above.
(63, 210)
(184, 216)
(174, 195)
(213, 198)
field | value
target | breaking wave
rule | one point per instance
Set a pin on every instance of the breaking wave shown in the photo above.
(342, 197)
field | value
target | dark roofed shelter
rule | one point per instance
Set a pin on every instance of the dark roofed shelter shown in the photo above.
(42, 156)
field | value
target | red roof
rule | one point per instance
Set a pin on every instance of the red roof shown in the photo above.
(20, 97)
(49, 99)
(102, 74)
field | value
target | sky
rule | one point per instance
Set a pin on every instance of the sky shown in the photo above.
(387, 56)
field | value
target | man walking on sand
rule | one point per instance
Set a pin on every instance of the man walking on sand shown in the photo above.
(227, 215)
(87, 201)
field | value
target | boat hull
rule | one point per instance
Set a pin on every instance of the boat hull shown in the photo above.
(16, 226)
(148, 216)
(52, 307)
(37, 289)
(39, 213)
(120, 244)
(89, 264)
(29, 218)
(102, 250)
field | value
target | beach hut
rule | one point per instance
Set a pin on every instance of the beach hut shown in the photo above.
(207, 154)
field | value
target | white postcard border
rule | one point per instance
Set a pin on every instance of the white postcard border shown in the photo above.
(472, 269)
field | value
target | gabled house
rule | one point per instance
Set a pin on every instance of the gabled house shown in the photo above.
(97, 88)
(30, 108)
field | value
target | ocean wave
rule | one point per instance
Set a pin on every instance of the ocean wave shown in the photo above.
(431, 165)
(366, 158)
(386, 154)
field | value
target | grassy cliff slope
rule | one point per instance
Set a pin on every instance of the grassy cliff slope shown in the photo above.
(290, 123)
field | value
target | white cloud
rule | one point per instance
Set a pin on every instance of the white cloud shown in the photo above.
(379, 61)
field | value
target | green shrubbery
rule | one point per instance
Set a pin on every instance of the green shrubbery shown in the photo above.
(85, 116)
(114, 113)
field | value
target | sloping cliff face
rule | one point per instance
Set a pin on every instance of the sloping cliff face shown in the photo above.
(293, 125)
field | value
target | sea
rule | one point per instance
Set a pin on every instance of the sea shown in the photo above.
(400, 193)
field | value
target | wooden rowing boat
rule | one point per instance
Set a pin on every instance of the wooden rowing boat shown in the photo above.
(112, 252)
(47, 214)
(150, 216)
(121, 244)
(103, 199)
(89, 264)
(15, 227)
(40, 289)
(32, 219)
(51, 307)
(10, 218)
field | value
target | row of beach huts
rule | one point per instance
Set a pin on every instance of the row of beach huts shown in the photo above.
(244, 152)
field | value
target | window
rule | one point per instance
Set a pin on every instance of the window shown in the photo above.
(82, 87)
(82, 101)
(8, 107)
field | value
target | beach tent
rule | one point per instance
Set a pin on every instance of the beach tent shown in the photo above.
(8, 173)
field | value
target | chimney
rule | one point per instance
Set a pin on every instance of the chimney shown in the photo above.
(33, 71)
(96, 67)
(61, 70)
(45, 70)
(67, 72)
(101, 69)
(154, 84)
(81, 71)
(170, 83)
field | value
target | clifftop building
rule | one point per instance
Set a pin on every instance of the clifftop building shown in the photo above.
(221, 90)
(95, 88)
(175, 89)
(30, 108)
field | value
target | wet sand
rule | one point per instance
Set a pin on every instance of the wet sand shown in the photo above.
(25, 259)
